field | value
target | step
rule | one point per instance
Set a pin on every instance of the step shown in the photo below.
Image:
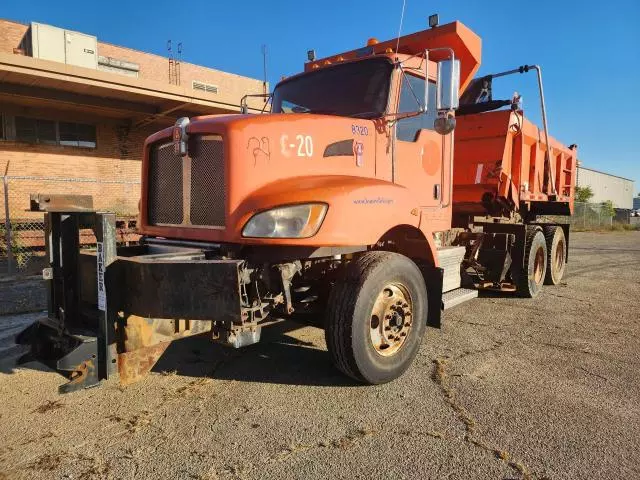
(457, 296)
(450, 259)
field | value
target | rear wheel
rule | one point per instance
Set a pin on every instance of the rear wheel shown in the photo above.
(531, 275)
(556, 254)
(376, 317)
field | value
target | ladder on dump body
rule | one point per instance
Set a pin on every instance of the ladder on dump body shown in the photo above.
(452, 292)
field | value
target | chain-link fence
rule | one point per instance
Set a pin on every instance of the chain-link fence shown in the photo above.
(22, 242)
(587, 216)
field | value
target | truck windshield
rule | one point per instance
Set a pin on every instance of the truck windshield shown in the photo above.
(359, 89)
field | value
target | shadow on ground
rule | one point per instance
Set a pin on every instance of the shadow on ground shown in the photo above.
(278, 358)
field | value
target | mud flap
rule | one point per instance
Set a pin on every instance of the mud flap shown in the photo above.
(433, 277)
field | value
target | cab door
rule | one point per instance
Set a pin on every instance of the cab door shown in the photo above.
(418, 148)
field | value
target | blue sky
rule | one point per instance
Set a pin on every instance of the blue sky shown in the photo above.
(589, 51)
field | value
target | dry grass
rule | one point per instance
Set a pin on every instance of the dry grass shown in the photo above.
(47, 462)
(48, 406)
(352, 438)
(138, 421)
(192, 386)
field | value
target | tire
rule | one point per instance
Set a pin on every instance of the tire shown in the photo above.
(556, 254)
(531, 276)
(360, 304)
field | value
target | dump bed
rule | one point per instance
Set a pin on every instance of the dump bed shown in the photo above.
(501, 168)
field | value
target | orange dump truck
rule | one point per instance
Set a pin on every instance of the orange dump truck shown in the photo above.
(368, 199)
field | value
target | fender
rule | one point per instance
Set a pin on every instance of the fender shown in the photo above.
(360, 210)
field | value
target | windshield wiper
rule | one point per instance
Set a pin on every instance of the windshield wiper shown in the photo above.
(319, 112)
(367, 115)
(338, 114)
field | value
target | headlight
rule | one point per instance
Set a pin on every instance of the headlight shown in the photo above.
(295, 221)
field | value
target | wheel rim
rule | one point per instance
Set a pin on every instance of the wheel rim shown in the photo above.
(391, 319)
(538, 265)
(558, 260)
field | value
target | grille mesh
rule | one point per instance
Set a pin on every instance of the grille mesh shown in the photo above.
(165, 186)
(208, 189)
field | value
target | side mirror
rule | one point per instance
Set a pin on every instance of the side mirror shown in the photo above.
(445, 123)
(448, 85)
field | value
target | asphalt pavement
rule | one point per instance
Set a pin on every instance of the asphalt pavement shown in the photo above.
(509, 389)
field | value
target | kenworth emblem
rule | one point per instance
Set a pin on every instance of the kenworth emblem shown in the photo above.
(180, 137)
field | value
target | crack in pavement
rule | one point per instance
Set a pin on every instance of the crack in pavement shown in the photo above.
(441, 378)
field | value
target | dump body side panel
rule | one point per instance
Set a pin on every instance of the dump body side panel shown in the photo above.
(501, 168)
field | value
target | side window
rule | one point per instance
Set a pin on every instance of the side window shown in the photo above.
(412, 88)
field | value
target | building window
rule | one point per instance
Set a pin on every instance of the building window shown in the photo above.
(411, 93)
(77, 135)
(50, 132)
(34, 130)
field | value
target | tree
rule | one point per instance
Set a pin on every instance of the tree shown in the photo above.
(583, 194)
(608, 209)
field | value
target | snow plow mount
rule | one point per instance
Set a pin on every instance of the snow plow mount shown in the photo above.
(113, 310)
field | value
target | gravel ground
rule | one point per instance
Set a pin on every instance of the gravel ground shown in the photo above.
(508, 389)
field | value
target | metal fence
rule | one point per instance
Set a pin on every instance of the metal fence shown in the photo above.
(588, 216)
(22, 242)
(22, 245)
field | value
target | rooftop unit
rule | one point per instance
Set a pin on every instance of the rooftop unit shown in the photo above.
(65, 46)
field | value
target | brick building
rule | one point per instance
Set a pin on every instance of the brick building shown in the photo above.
(74, 112)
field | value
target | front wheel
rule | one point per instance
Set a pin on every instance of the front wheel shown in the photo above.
(376, 317)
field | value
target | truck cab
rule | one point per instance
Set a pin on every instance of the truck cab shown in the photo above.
(353, 137)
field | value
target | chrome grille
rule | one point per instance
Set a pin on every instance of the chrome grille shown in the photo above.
(208, 188)
(165, 205)
(189, 191)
